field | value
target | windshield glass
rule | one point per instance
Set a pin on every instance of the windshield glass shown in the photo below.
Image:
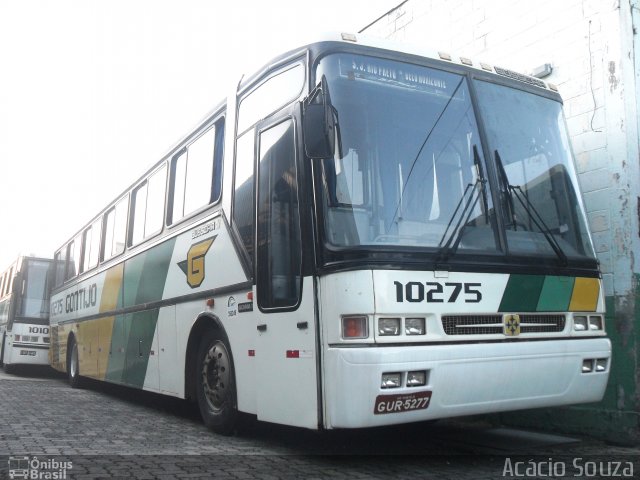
(538, 184)
(408, 168)
(35, 301)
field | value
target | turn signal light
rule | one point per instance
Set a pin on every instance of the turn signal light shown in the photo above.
(355, 326)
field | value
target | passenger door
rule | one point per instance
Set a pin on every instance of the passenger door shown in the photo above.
(286, 346)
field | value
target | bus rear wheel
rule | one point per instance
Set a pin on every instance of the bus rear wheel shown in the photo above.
(215, 384)
(73, 364)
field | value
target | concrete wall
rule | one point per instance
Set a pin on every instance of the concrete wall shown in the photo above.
(590, 44)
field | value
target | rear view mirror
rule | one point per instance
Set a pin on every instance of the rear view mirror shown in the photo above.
(319, 123)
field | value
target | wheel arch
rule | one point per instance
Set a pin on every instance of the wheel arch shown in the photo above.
(203, 323)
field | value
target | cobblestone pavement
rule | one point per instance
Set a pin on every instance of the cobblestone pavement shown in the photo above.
(114, 432)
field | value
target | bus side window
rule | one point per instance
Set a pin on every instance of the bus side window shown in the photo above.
(196, 179)
(148, 207)
(73, 259)
(276, 92)
(60, 261)
(243, 193)
(115, 230)
(279, 244)
(91, 246)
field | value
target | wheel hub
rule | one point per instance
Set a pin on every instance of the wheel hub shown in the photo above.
(215, 375)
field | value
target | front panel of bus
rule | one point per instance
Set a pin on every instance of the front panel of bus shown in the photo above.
(27, 335)
(457, 274)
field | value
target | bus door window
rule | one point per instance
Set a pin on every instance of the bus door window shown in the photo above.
(279, 248)
(276, 91)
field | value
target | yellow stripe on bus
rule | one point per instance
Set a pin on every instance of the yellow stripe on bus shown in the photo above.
(585, 295)
(103, 327)
(112, 288)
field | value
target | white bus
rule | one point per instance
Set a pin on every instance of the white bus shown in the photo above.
(24, 313)
(357, 236)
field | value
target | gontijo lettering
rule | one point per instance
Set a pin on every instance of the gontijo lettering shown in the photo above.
(82, 298)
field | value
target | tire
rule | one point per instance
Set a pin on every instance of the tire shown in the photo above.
(7, 367)
(215, 384)
(4, 336)
(73, 364)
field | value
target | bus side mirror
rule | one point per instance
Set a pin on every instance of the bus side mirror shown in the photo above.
(319, 123)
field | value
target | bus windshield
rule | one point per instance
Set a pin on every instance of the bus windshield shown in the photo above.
(533, 158)
(35, 300)
(409, 169)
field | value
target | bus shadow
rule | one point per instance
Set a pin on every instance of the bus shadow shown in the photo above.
(33, 372)
(156, 401)
(391, 440)
(461, 436)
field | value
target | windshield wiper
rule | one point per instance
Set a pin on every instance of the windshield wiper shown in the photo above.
(516, 191)
(455, 237)
(505, 191)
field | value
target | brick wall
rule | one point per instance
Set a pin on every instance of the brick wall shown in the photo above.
(590, 44)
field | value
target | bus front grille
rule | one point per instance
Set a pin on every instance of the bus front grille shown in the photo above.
(494, 325)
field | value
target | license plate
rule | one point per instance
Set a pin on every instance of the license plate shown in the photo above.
(29, 353)
(403, 402)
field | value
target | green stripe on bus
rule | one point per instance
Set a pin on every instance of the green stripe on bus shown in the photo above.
(556, 294)
(522, 293)
(118, 351)
(145, 276)
(143, 326)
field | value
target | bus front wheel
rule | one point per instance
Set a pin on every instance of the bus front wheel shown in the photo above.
(215, 384)
(73, 364)
(4, 336)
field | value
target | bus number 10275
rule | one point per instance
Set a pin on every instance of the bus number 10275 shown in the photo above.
(436, 292)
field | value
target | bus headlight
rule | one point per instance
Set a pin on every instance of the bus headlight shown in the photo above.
(391, 380)
(416, 379)
(580, 323)
(601, 365)
(595, 323)
(414, 326)
(587, 366)
(388, 326)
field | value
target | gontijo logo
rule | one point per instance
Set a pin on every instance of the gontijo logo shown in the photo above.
(193, 266)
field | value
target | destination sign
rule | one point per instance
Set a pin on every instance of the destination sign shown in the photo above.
(396, 73)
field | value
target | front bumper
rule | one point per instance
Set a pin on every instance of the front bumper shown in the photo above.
(464, 379)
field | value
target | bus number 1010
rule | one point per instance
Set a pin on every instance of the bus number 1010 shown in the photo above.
(436, 292)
